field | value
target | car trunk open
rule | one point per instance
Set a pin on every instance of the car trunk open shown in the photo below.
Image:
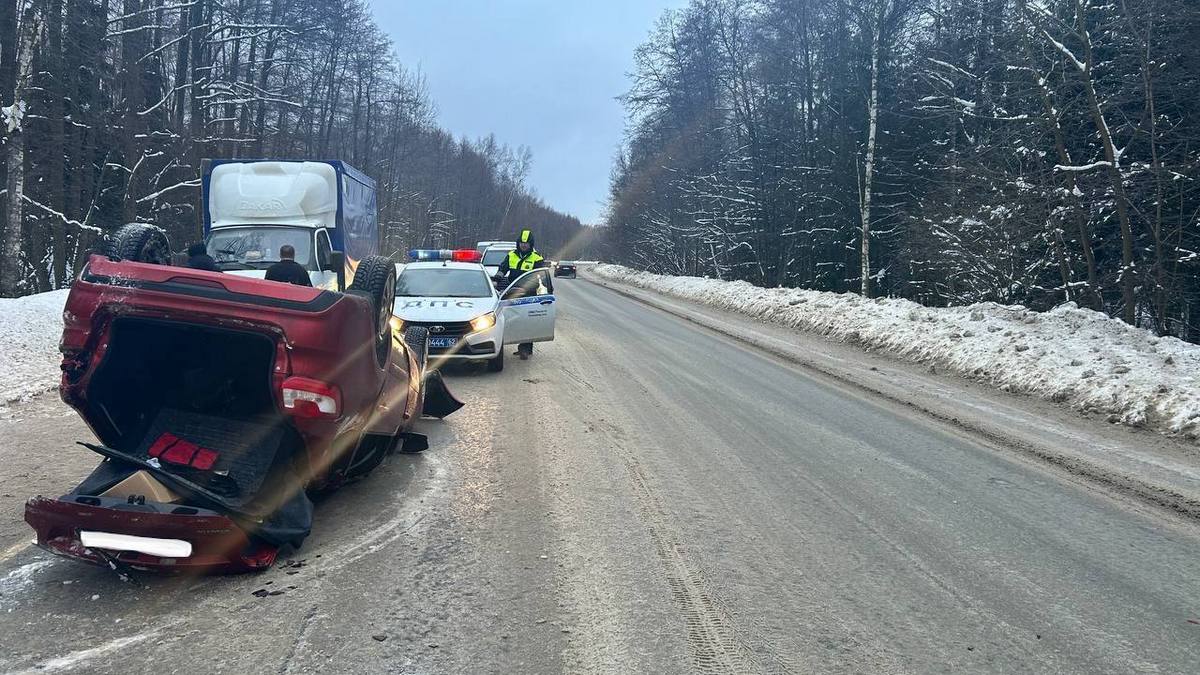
(187, 412)
(153, 365)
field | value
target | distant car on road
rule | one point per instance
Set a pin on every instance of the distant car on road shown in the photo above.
(449, 294)
(565, 268)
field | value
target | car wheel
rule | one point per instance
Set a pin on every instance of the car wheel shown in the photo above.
(417, 340)
(497, 364)
(376, 278)
(139, 242)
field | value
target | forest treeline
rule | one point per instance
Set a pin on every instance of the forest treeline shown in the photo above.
(110, 106)
(948, 151)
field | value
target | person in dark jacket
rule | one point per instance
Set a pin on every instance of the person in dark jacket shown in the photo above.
(523, 259)
(199, 259)
(287, 269)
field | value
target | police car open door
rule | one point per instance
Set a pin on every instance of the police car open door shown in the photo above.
(529, 308)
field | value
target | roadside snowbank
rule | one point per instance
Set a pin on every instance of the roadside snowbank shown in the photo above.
(1073, 356)
(30, 328)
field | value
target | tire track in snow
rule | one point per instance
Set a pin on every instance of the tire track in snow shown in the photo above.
(716, 645)
(711, 638)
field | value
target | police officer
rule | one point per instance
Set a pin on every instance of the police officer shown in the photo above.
(519, 261)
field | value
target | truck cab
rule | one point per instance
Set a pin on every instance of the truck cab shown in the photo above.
(326, 210)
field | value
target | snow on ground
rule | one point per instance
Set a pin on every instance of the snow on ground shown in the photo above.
(30, 328)
(1073, 356)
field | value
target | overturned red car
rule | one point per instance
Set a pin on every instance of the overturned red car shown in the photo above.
(220, 403)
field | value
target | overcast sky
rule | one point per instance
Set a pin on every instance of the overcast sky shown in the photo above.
(542, 73)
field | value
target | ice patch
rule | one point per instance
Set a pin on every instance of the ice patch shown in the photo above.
(76, 659)
(19, 579)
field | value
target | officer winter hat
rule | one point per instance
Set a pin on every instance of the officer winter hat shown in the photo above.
(526, 237)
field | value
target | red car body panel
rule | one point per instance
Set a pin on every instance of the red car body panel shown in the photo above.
(218, 544)
(318, 334)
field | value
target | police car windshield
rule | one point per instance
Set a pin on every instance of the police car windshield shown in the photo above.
(494, 256)
(443, 282)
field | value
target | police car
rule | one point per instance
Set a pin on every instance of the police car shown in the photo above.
(468, 319)
(494, 255)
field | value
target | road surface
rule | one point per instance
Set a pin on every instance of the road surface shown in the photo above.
(642, 496)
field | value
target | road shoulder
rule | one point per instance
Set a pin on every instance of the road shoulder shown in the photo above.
(1151, 468)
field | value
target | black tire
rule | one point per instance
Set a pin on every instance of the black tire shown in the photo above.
(417, 340)
(139, 242)
(497, 364)
(376, 277)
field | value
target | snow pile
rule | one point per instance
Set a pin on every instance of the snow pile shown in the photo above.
(1078, 357)
(30, 328)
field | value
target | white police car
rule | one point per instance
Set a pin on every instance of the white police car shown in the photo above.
(449, 293)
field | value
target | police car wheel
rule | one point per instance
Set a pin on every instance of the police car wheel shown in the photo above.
(140, 242)
(497, 364)
(376, 277)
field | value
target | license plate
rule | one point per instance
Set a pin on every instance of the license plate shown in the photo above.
(442, 342)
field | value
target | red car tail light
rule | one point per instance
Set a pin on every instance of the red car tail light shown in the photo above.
(304, 397)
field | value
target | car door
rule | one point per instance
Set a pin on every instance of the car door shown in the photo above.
(529, 308)
(326, 276)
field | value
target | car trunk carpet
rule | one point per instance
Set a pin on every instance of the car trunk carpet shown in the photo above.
(269, 500)
(246, 451)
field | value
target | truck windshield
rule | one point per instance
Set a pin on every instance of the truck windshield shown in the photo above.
(494, 256)
(257, 247)
(439, 282)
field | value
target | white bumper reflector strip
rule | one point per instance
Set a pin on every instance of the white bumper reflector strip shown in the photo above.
(163, 548)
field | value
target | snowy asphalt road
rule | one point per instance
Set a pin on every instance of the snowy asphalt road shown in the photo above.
(671, 502)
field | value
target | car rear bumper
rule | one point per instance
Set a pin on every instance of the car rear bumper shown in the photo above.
(217, 543)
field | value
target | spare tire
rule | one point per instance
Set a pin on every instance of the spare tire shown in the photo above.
(376, 279)
(139, 242)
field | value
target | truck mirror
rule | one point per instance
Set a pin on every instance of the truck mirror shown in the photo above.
(337, 264)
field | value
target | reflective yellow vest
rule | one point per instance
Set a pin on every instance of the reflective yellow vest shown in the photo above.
(516, 263)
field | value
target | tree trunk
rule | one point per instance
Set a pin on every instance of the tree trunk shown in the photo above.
(260, 115)
(869, 169)
(181, 70)
(1091, 298)
(8, 81)
(11, 269)
(134, 91)
(196, 44)
(1116, 180)
(55, 152)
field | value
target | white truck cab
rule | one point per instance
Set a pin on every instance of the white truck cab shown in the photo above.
(324, 210)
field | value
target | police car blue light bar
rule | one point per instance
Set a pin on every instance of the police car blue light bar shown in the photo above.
(460, 255)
